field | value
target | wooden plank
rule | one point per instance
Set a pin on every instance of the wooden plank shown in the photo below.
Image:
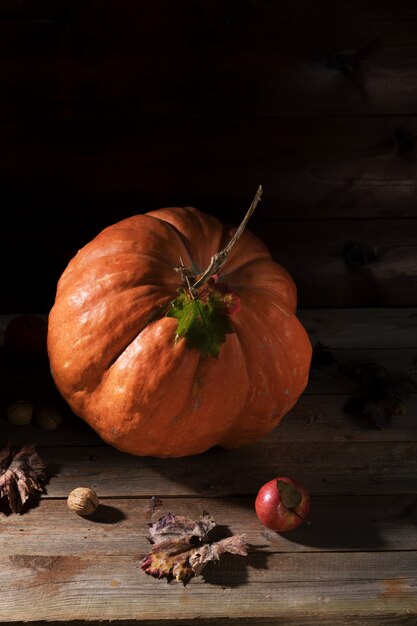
(87, 588)
(313, 252)
(330, 379)
(334, 167)
(118, 528)
(351, 58)
(370, 328)
(392, 620)
(322, 418)
(137, 159)
(282, 567)
(397, 619)
(315, 418)
(342, 468)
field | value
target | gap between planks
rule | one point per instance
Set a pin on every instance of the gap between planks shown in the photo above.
(119, 526)
(276, 585)
(340, 468)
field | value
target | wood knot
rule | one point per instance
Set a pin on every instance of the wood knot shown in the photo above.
(356, 254)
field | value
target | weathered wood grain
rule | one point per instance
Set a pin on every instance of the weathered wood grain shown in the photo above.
(314, 418)
(335, 167)
(88, 588)
(317, 103)
(210, 58)
(315, 255)
(370, 328)
(118, 528)
(396, 619)
(342, 468)
(355, 560)
(331, 378)
(308, 170)
(322, 418)
(313, 252)
(319, 414)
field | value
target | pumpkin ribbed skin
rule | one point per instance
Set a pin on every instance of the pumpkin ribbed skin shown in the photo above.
(112, 350)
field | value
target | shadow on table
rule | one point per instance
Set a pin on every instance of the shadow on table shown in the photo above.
(105, 514)
(333, 525)
(232, 571)
(333, 534)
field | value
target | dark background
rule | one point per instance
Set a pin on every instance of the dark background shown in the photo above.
(114, 107)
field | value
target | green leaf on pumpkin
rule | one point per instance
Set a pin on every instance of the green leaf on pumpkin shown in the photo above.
(203, 322)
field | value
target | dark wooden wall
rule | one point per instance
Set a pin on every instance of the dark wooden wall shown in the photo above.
(112, 107)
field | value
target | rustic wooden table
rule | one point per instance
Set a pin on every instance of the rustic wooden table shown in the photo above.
(355, 564)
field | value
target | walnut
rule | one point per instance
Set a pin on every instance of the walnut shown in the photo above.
(47, 417)
(20, 412)
(83, 501)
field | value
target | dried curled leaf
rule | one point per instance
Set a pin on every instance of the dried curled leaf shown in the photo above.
(381, 394)
(362, 373)
(212, 551)
(383, 398)
(22, 474)
(172, 526)
(181, 548)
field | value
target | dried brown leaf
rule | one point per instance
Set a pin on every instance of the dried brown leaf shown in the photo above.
(383, 398)
(213, 551)
(22, 474)
(171, 526)
(181, 549)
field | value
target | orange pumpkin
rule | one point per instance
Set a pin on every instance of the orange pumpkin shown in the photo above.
(119, 360)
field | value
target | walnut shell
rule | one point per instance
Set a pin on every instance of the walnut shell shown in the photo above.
(83, 501)
(47, 417)
(20, 412)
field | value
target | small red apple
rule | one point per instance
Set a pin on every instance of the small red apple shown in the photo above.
(282, 504)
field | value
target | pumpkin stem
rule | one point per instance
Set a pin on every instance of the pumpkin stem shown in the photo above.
(204, 314)
(218, 259)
